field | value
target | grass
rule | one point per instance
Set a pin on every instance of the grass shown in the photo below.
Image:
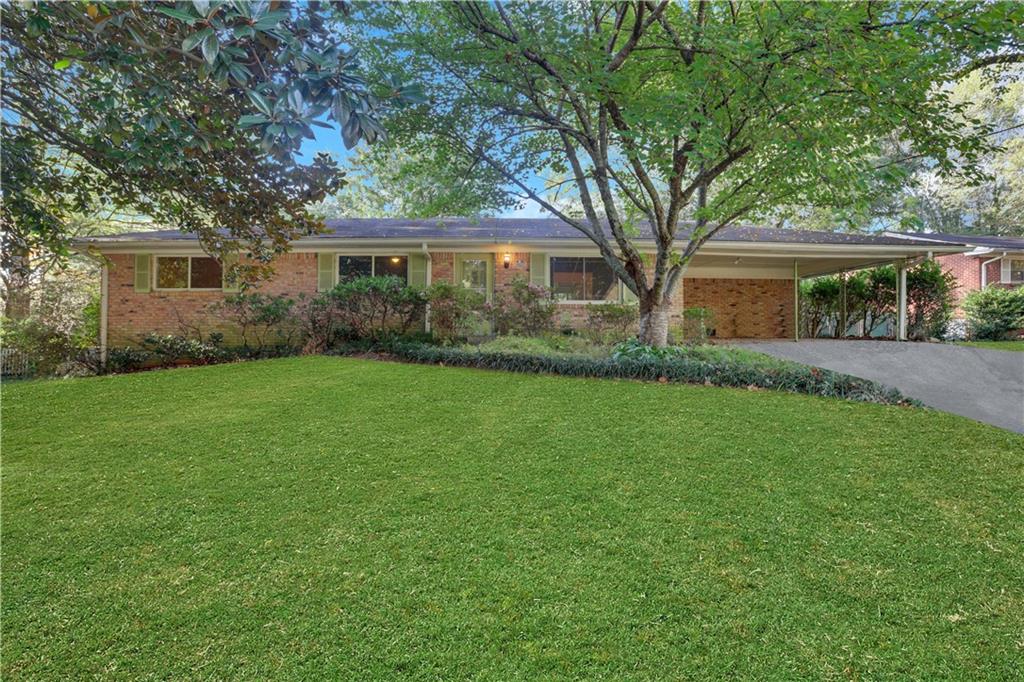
(1016, 345)
(328, 518)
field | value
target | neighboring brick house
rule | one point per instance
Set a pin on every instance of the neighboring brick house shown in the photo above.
(990, 261)
(163, 282)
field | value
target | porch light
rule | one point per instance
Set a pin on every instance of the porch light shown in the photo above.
(506, 260)
(395, 259)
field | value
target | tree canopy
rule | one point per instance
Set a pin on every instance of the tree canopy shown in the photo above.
(188, 112)
(426, 179)
(716, 112)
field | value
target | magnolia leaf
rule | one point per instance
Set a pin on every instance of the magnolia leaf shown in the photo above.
(178, 14)
(211, 48)
(191, 41)
(260, 101)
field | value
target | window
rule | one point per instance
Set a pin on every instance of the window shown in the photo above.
(474, 274)
(582, 279)
(1017, 269)
(351, 267)
(188, 272)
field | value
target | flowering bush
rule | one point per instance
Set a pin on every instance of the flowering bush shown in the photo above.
(523, 309)
(451, 310)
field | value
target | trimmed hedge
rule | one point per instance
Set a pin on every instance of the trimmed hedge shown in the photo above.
(792, 377)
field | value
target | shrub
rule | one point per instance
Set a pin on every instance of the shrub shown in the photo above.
(790, 377)
(994, 312)
(698, 325)
(451, 310)
(48, 347)
(262, 320)
(169, 349)
(612, 322)
(871, 300)
(319, 322)
(819, 305)
(126, 359)
(523, 309)
(929, 301)
(375, 307)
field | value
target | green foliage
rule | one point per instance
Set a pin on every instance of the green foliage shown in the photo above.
(546, 344)
(659, 364)
(698, 324)
(871, 300)
(126, 359)
(262, 320)
(994, 312)
(47, 347)
(376, 307)
(190, 113)
(819, 304)
(451, 310)
(522, 309)
(640, 114)
(611, 322)
(929, 300)
(170, 349)
(423, 178)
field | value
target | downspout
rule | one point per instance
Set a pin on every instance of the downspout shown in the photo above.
(984, 268)
(428, 280)
(104, 298)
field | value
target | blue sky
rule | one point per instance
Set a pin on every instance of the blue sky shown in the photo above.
(329, 141)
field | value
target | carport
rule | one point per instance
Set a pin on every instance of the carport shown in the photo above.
(814, 254)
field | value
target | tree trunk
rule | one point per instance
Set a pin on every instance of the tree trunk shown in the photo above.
(654, 319)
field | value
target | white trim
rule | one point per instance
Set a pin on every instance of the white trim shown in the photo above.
(154, 274)
(901, 303)
(984, 269)
(104, 315)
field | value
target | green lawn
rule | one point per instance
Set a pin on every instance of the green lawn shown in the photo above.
(328, 518)
(1017, 345)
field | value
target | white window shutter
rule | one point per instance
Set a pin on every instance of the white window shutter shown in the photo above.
(1004, 270)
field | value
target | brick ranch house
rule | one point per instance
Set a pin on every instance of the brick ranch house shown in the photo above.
(991, 261)
(746, 275)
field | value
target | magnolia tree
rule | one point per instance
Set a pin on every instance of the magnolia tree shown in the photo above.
(191, 113)
(711, 112)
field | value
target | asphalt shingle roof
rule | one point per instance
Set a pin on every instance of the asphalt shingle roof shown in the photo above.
(989, 241)
(521, 229)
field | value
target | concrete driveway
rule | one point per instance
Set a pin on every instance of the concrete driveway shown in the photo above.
(987, 385)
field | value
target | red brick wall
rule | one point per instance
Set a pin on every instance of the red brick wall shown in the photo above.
(967, 270)
(132, 315)
(744, 308)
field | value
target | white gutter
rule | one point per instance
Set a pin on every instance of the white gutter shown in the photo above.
(984, 268)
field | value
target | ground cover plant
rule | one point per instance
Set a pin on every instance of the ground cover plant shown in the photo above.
(330, 518)
(649, 363)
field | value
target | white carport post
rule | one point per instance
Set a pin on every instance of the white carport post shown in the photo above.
(796, 300)
(901, 301)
